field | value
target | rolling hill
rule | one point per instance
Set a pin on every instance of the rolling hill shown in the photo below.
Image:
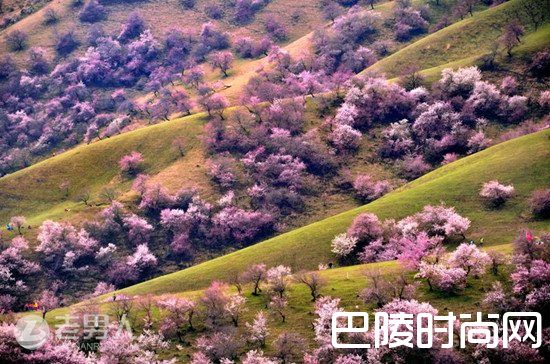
(523, 162)
(462, 43)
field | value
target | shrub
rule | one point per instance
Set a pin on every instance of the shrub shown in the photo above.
(276, 28)
(471, 259)
(17, 40)
(50, 16)
(343, 244)
(496, 194)
(345, 138)
(92, 12)
(213, 11)
(66, 43)
(540, 65)
(540, 203)
(134, 26)
(365, 228)
(188, 4)
(448, 280)
(367, 189)
(131, 163)
(412, 167)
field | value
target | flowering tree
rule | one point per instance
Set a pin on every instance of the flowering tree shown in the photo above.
(404, 353)
(313, 281)
(235, 308)
(289, 347)
(416, 247)
(413, 166)
(469, 258)
(214, 104)
(278, 305)
(255, 274)
(47, 301)
(365, 228)
(14, 271)
(441, 220)
(219, 346)
(139, 230)
(540, 203)
(142, 259)
(495, 193)
(214, 301)
(345, 138)
(278, 279)
(448, 280)
(531, 283)
(134, 26)
(258, 329)
(325, 307)
(179, 318)
(343, 244)
(368, 190)
(131, 163)
(222, 60)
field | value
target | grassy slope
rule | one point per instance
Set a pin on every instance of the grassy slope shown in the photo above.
(35, 192)
(525, 162)
(459, 44)
(161, 15)
(344, 283)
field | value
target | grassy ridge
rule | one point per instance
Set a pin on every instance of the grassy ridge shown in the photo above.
(524, 161)
(458, 44)
(35, 193)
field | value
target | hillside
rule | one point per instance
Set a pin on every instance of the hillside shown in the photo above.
(35, 191)
(462, 43)
(172, 13)
(523, 161)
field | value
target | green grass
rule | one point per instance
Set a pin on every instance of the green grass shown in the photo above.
(461, 43)
(524, 161)
(344, 283)
(34, 191)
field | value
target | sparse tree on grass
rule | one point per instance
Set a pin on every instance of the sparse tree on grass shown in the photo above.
(313, 281)
(108, 193)
(256, 274)
(84, 196)
(258, 329)
(179, 145)
(511, 36)
(50, 16)
(222, 60)
(17, 40)
(278, 305)
(121, 306)
(289, 347)
(47, 301)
